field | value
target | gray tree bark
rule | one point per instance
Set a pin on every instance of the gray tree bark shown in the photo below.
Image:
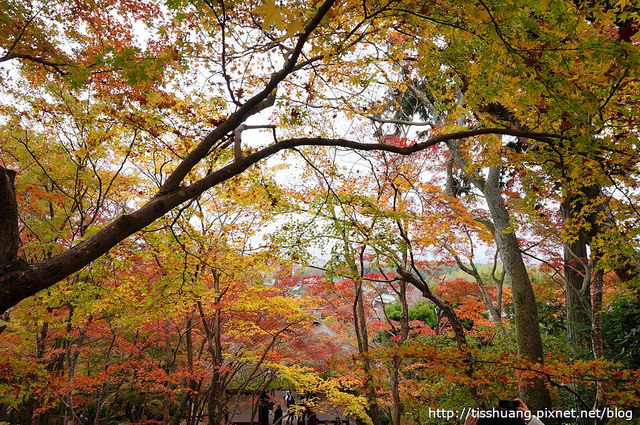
(526, 311)
(529, 340)
(577, 272)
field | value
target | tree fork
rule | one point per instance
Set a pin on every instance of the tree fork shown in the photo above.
(577, 273)
(456, 326)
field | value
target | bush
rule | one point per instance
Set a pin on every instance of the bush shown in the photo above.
(422, 311)
(621, 332)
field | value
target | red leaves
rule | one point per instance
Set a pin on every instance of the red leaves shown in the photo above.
(400, 141)
(533, 57)
(458, 290)
(627, 30)
(565, 124)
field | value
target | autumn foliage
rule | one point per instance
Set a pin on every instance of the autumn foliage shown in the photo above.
(382, 207)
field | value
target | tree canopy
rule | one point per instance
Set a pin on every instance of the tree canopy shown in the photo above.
(201, 199)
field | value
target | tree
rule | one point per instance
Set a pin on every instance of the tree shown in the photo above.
(118, 133)
(138, 89)
(532, 92)
(186, 327)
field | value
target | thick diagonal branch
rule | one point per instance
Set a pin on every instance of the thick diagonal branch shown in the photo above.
(20, 280)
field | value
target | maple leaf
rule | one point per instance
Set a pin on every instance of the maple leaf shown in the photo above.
(294, 27)
(272, 14)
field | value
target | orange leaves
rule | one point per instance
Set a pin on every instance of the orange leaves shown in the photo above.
(499, 374)
(458, 290)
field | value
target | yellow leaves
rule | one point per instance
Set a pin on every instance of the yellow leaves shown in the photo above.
(479, 16)
(334, 389)
(544, 4)
(621, 4)
(294, 27)
(282, 18)
(272, 14)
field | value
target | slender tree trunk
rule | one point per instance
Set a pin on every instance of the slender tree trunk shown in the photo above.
(471, 270)
(363, 347)
(69, 362)
(494, 314)
(192, 382)
(180, 411)
(34, 402)
(213, 329)
(456, 326)
(107, 363)
(166, 400)
(596, 327)
(396, 363)
(360, 321)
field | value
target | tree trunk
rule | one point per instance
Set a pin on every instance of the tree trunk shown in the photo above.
(596, 329)
(577, 273)
(577, 294)
(529, 341)
(363, 347)
(471, 270)
(216, 402)
(192, 383)
(456, 326)
(166, 400)
(9, 238)
(396, 363)
(536, 395)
